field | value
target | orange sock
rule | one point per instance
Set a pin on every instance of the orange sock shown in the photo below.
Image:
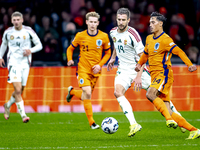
(77, 93)
(161, 107)
(182, 122)
(88, 110)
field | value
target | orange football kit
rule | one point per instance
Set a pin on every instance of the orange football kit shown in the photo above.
(158, 51)
(91, 50)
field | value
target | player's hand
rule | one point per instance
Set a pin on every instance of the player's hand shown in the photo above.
(110, 64)
(137, 84)
(2, 63)
(138, 67)
(26, 52)
(192, 68)
(70, 63)
(96, 69)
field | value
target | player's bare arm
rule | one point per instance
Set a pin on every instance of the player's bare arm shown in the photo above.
(138, 81)
(138, 67)
(112, 60)
(2, 63)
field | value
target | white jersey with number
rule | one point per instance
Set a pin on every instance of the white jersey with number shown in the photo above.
(128, 45)
(17, 41)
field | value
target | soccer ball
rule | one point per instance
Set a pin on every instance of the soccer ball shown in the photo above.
(109, 125)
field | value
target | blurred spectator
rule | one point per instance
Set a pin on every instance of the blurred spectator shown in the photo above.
(51, 47)
(75, 7)
(33, 23)
(112, 24)
(80, 18)
(47, 28)
(178, 32)
(6, 24)
(66, 18)
(89, 5)
(189, 30)
(193, 54)
(66, 39)
(115, 6)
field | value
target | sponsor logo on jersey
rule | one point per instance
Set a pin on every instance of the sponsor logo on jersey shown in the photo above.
(125, 42)
(99, 42)
(120, 41)
(156, 47)
(114, 39)
(11, 37)
(172, 43)
(18, 37)
(81, 81)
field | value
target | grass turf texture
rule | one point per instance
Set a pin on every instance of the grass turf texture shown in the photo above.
(72, 131)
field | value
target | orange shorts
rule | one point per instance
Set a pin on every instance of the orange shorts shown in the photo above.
(163, 84)
(85, 79)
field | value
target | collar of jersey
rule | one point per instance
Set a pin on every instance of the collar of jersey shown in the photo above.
(158, 36)
(93, 35)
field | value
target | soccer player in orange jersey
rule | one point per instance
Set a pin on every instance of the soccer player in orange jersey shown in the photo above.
(92, 43)
(158, 51)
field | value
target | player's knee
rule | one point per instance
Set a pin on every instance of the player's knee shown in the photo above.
(118, 94)
(18, 91)
(150, 96)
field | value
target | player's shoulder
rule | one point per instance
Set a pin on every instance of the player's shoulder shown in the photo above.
(102, 33)
(29, 29)
(113, 30)
(132, 32)
(8, 29)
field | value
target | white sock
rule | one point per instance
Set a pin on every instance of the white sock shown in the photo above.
(127, 109)
(173, 108)
(10, 102)
(20, 107)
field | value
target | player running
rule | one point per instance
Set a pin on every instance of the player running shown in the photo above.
(92, 43)
(128, 48)
(18, 39)
(158, 51)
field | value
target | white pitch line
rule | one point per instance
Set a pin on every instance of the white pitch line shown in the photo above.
(104, 147)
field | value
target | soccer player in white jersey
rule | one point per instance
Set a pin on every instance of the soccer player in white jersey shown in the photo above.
(18, 40)
(128, 47)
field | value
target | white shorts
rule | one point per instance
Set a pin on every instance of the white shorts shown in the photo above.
(18, 74)
(125, 78)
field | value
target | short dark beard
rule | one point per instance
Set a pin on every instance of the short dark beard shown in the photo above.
(123, 28)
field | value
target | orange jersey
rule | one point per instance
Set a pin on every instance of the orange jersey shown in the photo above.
(159, 51)
(91, 50)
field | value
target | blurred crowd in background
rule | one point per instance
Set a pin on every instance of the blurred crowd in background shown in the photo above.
(57, 21)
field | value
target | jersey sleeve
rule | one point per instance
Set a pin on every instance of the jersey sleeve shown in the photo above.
(72, 46)
(35, 39)
(136, 40)
(4, 45)
(107, 50)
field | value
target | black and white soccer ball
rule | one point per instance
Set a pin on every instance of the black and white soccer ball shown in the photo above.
(109, 125)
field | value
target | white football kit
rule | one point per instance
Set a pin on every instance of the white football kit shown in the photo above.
(128, 45)
(17, 41)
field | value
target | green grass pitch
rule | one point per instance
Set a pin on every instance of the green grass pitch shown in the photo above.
(72, 131)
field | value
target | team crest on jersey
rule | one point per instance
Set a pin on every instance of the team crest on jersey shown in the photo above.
(11, 37)
(99, 42)
(125, 42)
(24, 37)
(81, 81)
(156, 47)
(114, 39)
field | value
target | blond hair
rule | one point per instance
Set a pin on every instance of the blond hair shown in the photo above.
(92, 14)
(17, 14)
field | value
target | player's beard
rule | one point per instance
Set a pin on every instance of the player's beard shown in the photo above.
(122, 28)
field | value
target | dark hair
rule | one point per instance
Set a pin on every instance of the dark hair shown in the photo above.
(124, 11)
(159, 16)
